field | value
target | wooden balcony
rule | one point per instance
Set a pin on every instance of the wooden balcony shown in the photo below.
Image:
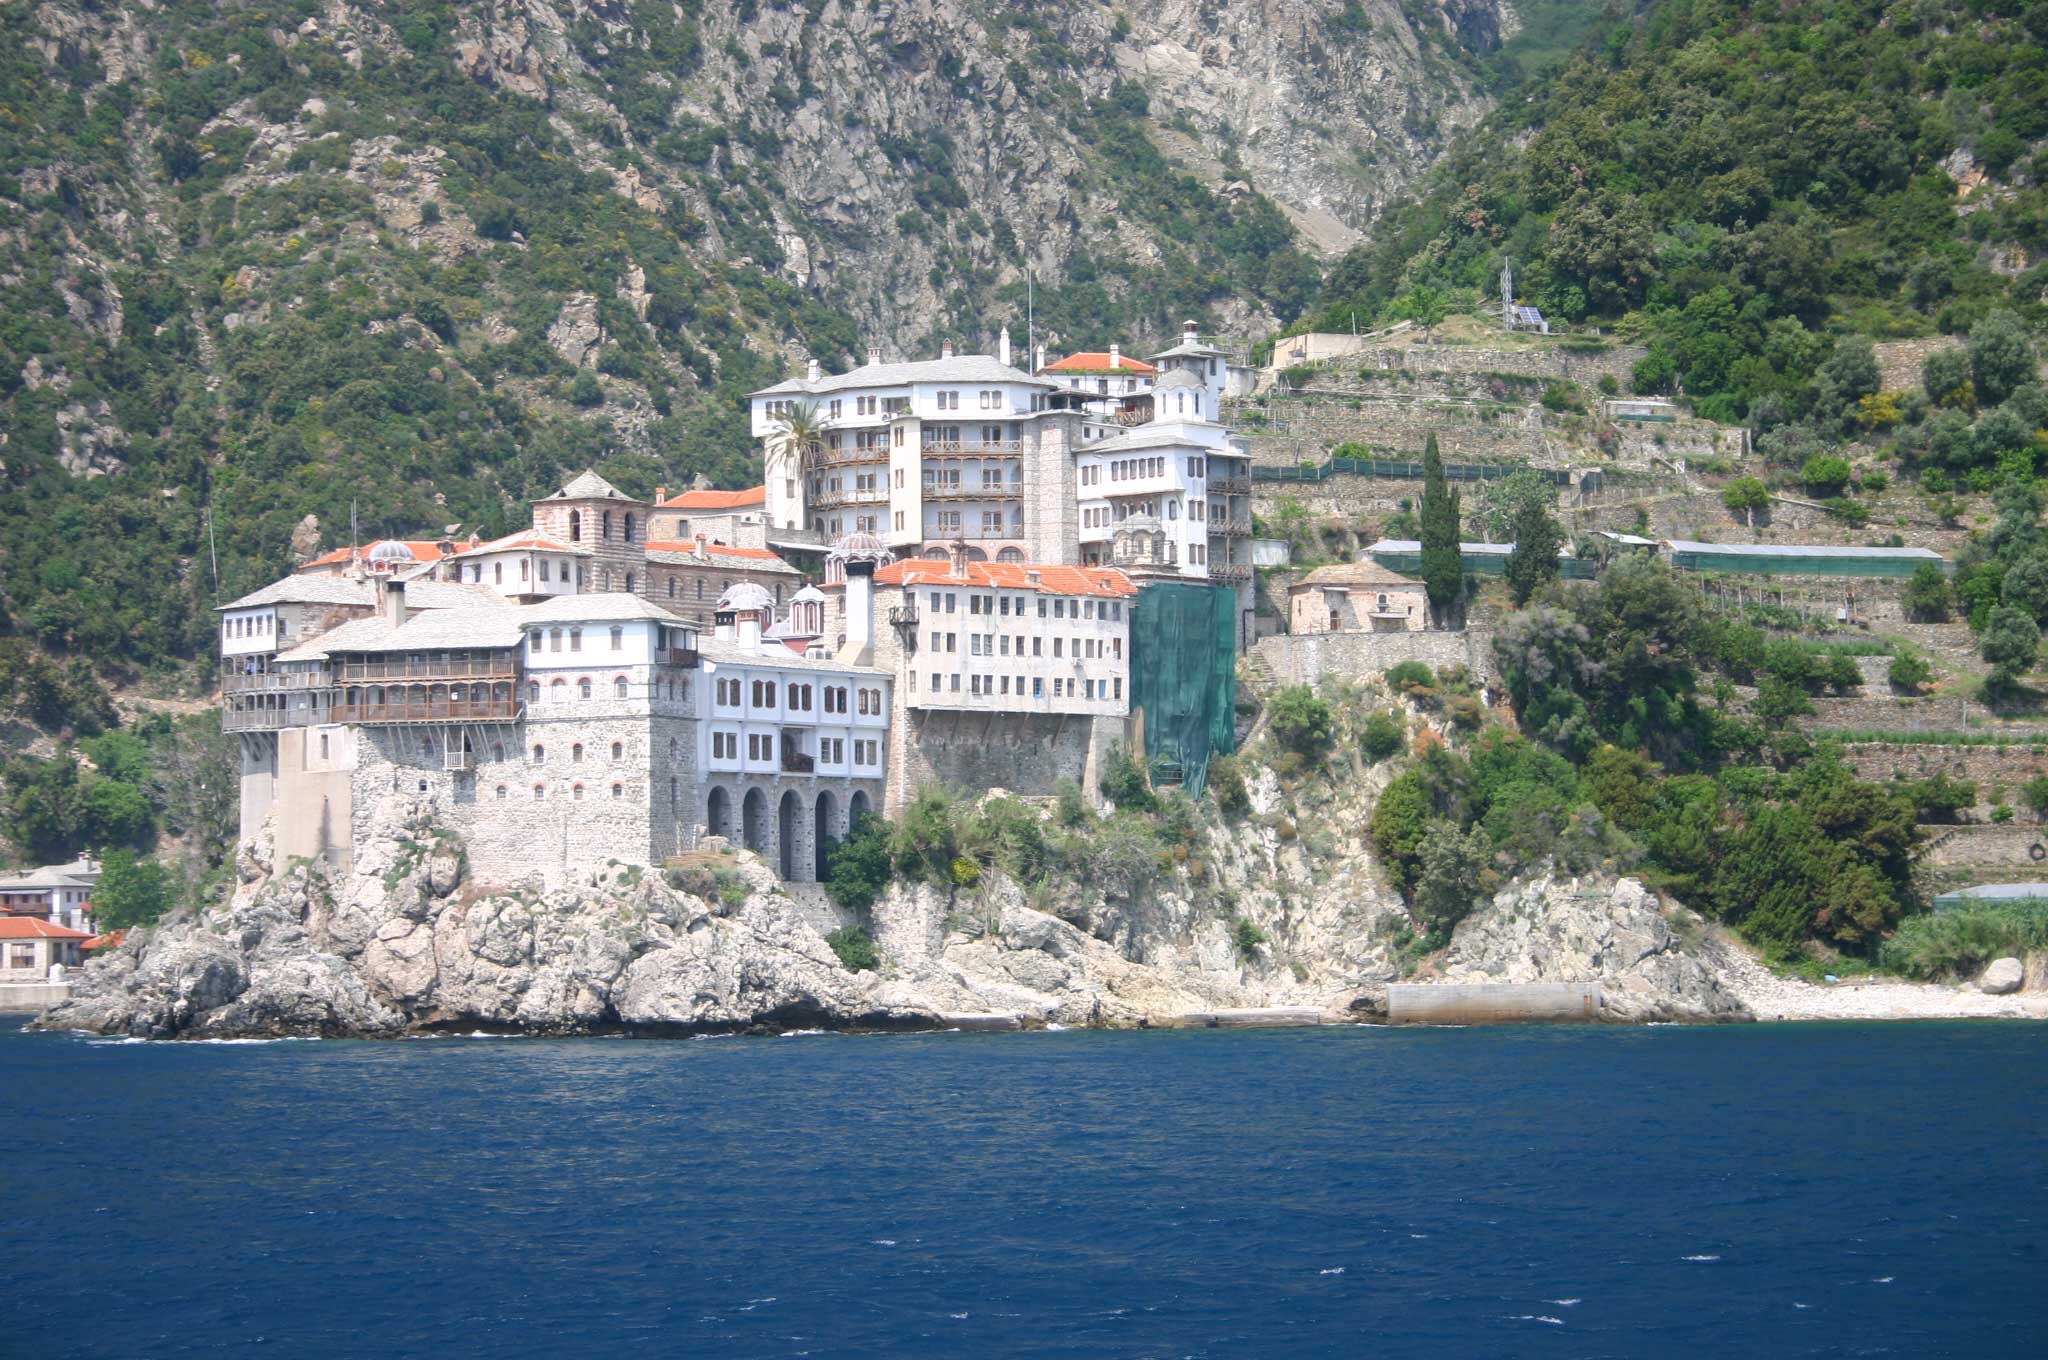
(262, 718)
(1001, 491)
(1230, 486)
(832, 500)
(971, 448)
(398, 711)
(274, 682)
(495, 666)
(686, 657)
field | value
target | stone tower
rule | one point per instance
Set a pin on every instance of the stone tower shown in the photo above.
(592, 514)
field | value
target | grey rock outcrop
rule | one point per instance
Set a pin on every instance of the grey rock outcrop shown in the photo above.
(2002, 977)
(1613, 934)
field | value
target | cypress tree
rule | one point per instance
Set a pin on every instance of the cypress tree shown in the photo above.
(1534, 559)
(1443, 566)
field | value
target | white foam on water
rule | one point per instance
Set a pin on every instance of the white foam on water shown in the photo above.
(1418, 1236)
(1802, 1306)
(1884, 1279)
(802, 1033)
(1564, 1303)
(1538, 1317)
(1699, 1258)
(1333, 1270)
(1055, 1027)
(956, 1315)
(882, 1242)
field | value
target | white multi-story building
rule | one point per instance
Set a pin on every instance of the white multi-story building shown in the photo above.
(58, 893)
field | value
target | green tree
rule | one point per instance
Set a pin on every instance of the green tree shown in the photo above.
(1451, 876)
(1301, 722)
(855, 949)
(1427, 308)
(111, 812)
(1745, 496)
(1383, 736)
(1443, 566)
(1945, 376)
(131, 892)
(858, 868)
(1533, 562)
(2011, 643)
(2001, 357)
(43, 808)
(1825, 474)
(1399, 819)
(1908, 672)
(1927, 595)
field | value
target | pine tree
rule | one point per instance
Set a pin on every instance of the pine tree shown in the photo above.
(1534, 559)
(1443, 566)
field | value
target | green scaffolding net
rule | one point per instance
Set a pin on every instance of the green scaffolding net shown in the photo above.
(1184, 678)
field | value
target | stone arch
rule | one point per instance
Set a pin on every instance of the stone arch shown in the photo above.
(857, 808)
(718, 812)
(977, 555)
(824, 832)
(754, 821)
(788, 820)
(1013, 555)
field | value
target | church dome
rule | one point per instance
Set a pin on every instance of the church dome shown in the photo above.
(808, 595)
(860, 546)
(744, 597)
(1177, 378)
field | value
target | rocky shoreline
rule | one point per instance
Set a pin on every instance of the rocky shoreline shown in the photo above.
(406, 945)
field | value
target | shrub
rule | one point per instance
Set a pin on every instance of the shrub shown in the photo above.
(586, 390)
(1825, 473)
(857, 869)
(1123, 781)
(1301, 722)
(855, 949)
(2034, 793)
(1247, 938)
(1410, 675)
(966, 873)
(1070, 804)
(1909, 671)
(130, 892)
(1227, 785)
(1928, 595)
(1453, 864)
(1957, 944)
(1384, 734)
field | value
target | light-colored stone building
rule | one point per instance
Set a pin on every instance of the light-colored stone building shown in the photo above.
(735, 518)
(1357, 597)
(31, 947)
(58, 893)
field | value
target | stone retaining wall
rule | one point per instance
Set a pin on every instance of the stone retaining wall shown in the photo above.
(1991, 767)
(1305, 658)
(1995, 847)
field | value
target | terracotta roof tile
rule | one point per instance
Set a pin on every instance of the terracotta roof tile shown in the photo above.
(29, 928)
(1097, 361)
(717, 500)
(919, 571)
(422, 550)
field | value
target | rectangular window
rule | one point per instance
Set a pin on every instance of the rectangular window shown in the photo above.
(1056, 645)
(1038, 646)
(956, 684)
(1037, 687)
(1119, 687)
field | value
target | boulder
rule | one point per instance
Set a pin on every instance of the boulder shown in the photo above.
(2001, 977)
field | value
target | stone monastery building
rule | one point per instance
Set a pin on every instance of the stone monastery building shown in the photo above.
(623, 679)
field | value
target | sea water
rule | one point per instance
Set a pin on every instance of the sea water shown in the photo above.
(1792, 1190)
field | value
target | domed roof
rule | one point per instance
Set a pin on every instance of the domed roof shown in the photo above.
(808, 595)
(860, 546)
(744, 597)
(1179, 377)
(391, 550)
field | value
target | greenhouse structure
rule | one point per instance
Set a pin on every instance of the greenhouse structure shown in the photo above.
(1480, 559)
(1795, 559)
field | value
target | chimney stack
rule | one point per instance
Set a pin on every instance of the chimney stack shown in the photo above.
(1116, 355)
(1190, 333)
(946, 350)
(874, 354)
(1003, 347)
(391, 600)
(960, 559)
(660, 494)
(812, 372)
(1038, 360)
(860, 602)
(703, 553)
(750, 629)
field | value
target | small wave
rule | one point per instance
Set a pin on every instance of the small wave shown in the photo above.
(1418, 1236)
(281, 1039)
(882, 1242)
(1564, 1303)
(1332, 1270)
(802, 1033)
(1884, 1279)
(1801, 1306)
(1699, 1258)
(956, 1315)
(1055, 1027)
(1538, 1317)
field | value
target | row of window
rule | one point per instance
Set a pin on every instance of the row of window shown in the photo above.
(558, 689)
(999, 606)
(604, 530)
(575, 637)
(998, 644)
(249, 626)
(575, 793)
(797, 696)
(540, 752)
(1006, 686)
(761, 748)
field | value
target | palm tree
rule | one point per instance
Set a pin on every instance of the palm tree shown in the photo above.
(798, 436)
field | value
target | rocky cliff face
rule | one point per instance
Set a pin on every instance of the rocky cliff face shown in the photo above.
(405, 944)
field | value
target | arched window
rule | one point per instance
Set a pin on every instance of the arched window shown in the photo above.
(558, 688)
(618, 687)
(575, 526)
(618, 750)
(700, 587)
(671, 587)
(577, 793)
(618, 790)
(629, 528)
(606, 532)
(540, 793)
(497, 750)
(629, 583)
(503, 793)
(540, 754)
(576, 754)
(498, 573)
(533, 691)
(673, 749)
(583, 688)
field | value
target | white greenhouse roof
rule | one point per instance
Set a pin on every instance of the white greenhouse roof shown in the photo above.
(1798, 550)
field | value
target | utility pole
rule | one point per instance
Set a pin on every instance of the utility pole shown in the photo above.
(1030, 320)
(213, 550)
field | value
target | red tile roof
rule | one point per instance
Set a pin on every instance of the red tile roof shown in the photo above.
(715, 549)
(29, 928)
(422, 550)
(1097, 361)
(526, 540)
(111, 940)
(920, 571)
(717, 500)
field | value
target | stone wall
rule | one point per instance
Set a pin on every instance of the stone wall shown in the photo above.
(1586, 367)
(1025, 753)
(2002, 848)
(1305, 658)
(1991, 767)
(1898, 361)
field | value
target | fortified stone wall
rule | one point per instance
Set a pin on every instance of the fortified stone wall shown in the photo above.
(1305, 658)
(1580, 366)
(1025, 753)
(1991, 767)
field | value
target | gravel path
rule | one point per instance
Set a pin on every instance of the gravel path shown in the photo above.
(1771, 997)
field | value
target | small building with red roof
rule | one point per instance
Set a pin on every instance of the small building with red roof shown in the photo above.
(736, 519)
(28, 948)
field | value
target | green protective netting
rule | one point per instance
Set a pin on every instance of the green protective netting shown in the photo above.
(1184, 677)
(1775, 564)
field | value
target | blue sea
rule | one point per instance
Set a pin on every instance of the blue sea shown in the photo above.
(1754, 1191)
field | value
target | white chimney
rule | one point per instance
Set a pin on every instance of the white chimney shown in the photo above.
(750, 629)
(1038, 360)
(1003, 347)
(874, 354)
(812, 371)
(1190, 333)
(946, 350)
(703, 554)
(721, 627)
(1116, 356)
(860, 602)
(391, 600)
